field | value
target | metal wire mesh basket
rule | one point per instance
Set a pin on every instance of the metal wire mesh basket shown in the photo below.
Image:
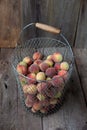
(48, 98)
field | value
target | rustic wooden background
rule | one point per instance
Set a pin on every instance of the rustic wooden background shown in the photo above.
(69, 15)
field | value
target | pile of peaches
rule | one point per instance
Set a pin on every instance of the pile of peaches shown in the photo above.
(42, 80)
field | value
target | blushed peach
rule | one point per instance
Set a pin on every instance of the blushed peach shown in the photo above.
(34, 68)
(21, 69)
(43, 66)
(41, 87)
(64, 65)
(41, 97)
(38, 62)
(57, 57)
(49, 62)
(50, 72)
(37, 55)
(40, 76)
(57, 66)
(31, 78)
(32, 89)
(27, 60)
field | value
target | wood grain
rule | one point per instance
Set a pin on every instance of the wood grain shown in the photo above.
(10, 22)
(12, 113)
(81, 62)
(81, 37)
(61, 14)
(72, 115)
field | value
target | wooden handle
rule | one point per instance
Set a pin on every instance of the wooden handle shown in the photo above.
(47, 28)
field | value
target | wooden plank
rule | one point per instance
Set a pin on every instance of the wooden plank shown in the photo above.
(72, 115)
(81, 62)
(12, 114)
(81, 37)
(61, 14)
(10, 22)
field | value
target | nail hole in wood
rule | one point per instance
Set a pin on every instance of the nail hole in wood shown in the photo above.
(5, 85)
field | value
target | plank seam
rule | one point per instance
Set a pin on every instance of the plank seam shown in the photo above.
(77, 25)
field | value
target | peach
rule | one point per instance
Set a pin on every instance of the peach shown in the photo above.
(32, 109)
(32, 89)
(50, 72)
(64, 65)
(53, 101)
(21, 69)
(44, 66)
(25, 87)
(37, 55)
(51, 91)
(58, 95)
(28, 103)
(23, 63)
(37, 106)
(41, 97)
(49, 62)
(23, 81)
(38, 62)
(63, 74)
(57, 81)
(34, 68)
(31, 78)
(45, 103)
(57, 66)
(31, 98)
(48, 78)
(27, 60)
(41, 87)
(49, 57)
(57, 57)
(40, 76)
(43, 110)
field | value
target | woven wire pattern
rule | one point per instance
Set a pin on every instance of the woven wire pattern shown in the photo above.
(46, 46)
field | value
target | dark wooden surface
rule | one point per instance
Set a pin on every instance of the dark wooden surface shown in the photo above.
(10, 22)
(68, 15)
(72, 114)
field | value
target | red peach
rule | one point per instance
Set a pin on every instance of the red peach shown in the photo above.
(51, 72)
(40, 76)
(31, 98)
(28, 103)
(57, 66)
(49, 57)
(38, 62)
(22, 69)
(57, 57)
(34, 68)
(45, 103)
(31, 78)
(32, 89)
(37, 106)
(64, 65)
(51, 91)
(41, 87)
(37, 55)
(57, 81)
(43, 66)
(49, 62)
(27, 60)
(63, 74)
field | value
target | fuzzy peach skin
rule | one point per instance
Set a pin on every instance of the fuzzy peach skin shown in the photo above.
(50, 72)
(21, 69)
(57, 66)
(37, 55)
(37, 106)
(23, 63)
(27, 60)
(43, 66)
(32, 89)
(57, 81)
(64, 65)
(40, 76)
(38, 62)
(34, 68)
(57, 57)
(31, 78)
(49, 57)
(41, 97)
(49, 62)
(63, 74)
(42, 87)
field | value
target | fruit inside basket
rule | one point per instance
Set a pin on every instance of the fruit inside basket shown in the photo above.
(42, 67)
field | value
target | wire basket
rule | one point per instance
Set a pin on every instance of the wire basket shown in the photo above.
(45, 96)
